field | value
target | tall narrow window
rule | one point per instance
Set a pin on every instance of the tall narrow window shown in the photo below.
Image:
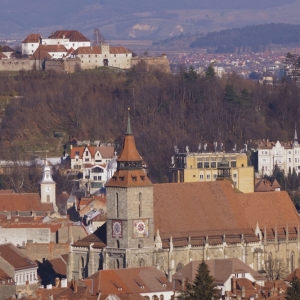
(48, 198)
(292, 261)
(117, 204)
(140, 204)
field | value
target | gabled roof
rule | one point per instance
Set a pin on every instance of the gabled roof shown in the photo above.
(23, 202)
(72, 35)
(32, 38)
(87, 50)
(106, 152)
(118, 50)
(17, 259)
(129, 281)
(7, 49)
(5, 278)
(220, 269)
(98, 239)
(295, 273)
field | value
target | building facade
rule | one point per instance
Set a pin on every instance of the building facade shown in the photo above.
(169, 225)
(285, 156)
(203, 167)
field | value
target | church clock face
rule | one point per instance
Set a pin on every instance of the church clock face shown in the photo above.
(117, 228)
(48, 189)
(140, 228)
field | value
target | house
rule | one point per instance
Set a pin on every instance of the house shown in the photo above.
(66, 38)
(227, 274)
(6, 50)
(104, 55)
(148, 282)
(17, 265)
(266, 185)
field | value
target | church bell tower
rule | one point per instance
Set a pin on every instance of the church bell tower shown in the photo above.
(47, 186)
(129, 195)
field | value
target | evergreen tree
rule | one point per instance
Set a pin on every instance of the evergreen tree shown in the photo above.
(230, 95)
(210, 71)
(293, 291)
(203, 287)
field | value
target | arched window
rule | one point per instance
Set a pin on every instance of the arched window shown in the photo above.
(292, 264)
(117, 264)
(118, 244)
(142, 263)
(117, 204)
(161, 297)
(140, 205)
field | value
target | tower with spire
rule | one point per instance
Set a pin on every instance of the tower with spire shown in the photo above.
(47, 185)
(129, 207)
(296, 136)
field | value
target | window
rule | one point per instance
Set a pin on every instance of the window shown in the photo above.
(89, 56)
(143, 177)
(96, 55)
(207, 176)
(117, 204)
(134, 178)
(76, 159)
(48, 198)
(126, 55)
(243, 275)
(233, 164)
(95, 177)
(86, 153)
(290, 160)
(140, 205)
(213, 164)
(206, 164)
(199, 165)
(234, 175)
(87, 159)
(82, 56)
(115, 55)
(215, 176)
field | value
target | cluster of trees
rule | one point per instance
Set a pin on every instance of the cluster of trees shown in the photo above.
(166, 110)
(255, 38)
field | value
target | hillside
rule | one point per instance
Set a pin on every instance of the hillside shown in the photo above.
(250, 38)
(136, 19)
(165, 110)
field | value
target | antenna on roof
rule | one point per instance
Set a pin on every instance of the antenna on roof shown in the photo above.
(199, 147)
(234, 148)
(205, 146)
(187, 149)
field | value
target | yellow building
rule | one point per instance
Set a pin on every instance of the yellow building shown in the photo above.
(193, 167)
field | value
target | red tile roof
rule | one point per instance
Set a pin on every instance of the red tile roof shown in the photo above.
(15, 257)
(72, 35)
(2, 55)
(6, 279)
(129, 281)
(295, 273)
(23, 202)
(97, 239)
(118, 50)
(106, 152)
(87, 50)
(59, 266)
(32, 38)
(7, 49)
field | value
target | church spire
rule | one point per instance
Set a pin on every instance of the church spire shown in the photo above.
(295, 136)
(128, 131)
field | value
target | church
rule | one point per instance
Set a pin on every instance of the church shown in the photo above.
(169, 225)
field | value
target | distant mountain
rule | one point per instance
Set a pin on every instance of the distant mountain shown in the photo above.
(139, 19)
(250, 38)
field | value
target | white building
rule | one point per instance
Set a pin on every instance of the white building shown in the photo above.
(67, 38)
(104, 55)
(285, 156)
(17, 265)
(48, 186)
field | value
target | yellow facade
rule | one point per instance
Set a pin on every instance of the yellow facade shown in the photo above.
(195, 167)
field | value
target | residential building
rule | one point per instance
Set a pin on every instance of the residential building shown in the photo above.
(284, 155)
(103, 55)
(66, 38)
(17, 265)
(148, 282)
(226, 273)
(203, 166)
(168, 225)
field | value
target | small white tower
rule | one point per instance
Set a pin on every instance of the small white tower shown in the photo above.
(47, 186)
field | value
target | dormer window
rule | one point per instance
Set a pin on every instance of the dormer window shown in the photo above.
(86, 153)
(134, 178)
(114, 178)
(142, 177)
(121, 178)
(77, 153)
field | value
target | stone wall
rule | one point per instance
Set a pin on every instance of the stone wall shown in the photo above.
(153, 63)
(68, 65)
(47, 251)
(17, 64)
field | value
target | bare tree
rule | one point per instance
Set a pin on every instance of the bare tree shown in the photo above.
(99, 38)
(275, 268)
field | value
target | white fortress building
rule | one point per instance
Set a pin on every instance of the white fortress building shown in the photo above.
(285, 156)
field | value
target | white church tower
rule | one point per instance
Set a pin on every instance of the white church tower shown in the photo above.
(47, 186)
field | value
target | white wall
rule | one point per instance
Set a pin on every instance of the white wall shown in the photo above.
(17, 236)
(24, 275)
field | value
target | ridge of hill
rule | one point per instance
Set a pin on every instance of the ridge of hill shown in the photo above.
(136, 19)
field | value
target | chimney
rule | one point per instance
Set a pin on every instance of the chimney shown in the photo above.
(57, 282)
(75, 287)
(233, 285)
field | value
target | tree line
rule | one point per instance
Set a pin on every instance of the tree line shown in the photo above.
(166, 110)
(255, 38)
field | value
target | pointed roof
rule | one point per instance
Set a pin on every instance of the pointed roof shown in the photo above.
(130, 171)
(295, 136)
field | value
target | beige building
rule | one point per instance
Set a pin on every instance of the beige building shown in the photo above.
(169, 225)
(203, 166)
(104, 55)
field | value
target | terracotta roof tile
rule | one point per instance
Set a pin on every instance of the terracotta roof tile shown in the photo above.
(72, 35)
(129, 178)
(118, 50)
(59, 266)
(295, 273)
(32, 38)
(23, 202)
(129, 151)
(98, 239)
(5, 278)
(7, 49)
(87, 50)
(15, 257)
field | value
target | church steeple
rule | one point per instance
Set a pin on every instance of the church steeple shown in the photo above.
(295, 136)
(128, 131)
(47, 185)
